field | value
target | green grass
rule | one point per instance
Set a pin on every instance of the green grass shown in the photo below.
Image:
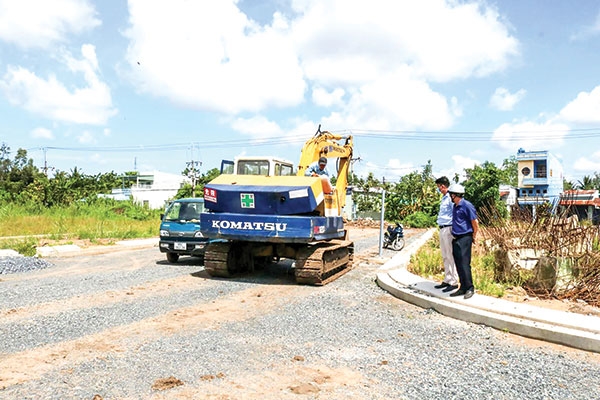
(25, 247)
(101, 219)
(427, 263)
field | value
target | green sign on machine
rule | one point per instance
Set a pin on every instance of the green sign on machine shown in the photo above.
(247, 200)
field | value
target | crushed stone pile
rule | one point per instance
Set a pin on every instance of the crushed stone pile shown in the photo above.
(12, 265)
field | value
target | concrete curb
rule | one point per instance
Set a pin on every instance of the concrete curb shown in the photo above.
(9, 253)
(561, 327)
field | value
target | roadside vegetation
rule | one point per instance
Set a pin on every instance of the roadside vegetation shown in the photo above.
(37, 207)
(427, 262)
(564, 250)
(99, 221)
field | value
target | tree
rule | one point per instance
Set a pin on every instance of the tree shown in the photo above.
(510, 171)
(186, 189)
(587, 183)
(569, 185)
(5, 162)
(367, 198)
(482, 189)
(415, 192)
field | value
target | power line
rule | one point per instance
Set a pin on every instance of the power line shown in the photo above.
(405, 135)
(459, 136)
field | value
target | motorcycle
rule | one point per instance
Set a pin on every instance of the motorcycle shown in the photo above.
(394, 237)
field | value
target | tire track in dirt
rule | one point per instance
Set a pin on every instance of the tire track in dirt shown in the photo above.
(24, 366)
(292, 380)
(30, 365)
(78, 267)
(160, 288)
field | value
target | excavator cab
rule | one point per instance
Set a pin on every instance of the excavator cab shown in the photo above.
(261, 166)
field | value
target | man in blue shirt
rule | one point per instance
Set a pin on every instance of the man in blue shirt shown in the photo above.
(444, 221)
(317, 168)
(464, 229)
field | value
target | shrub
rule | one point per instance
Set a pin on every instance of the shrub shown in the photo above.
(419, 220)
(25, 247)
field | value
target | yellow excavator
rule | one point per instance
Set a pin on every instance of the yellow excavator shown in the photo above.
(260, 213)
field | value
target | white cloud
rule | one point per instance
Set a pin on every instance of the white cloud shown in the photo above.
(212, 57)
(257, 127)
(41, 24)
(50, 98)
(343, 42)
(324, 98)
(503, 100)
(396, 168)
(42, 133)
(395, 102)
(530, 135)
(584, 164)
(461, 163)
(588, 31)
(86, 138)
(585, 109)
(209, 55)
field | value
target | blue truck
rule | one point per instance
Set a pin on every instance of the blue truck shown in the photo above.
(260, 212)
(180, 233)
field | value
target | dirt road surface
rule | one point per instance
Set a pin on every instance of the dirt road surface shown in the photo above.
(129, 325)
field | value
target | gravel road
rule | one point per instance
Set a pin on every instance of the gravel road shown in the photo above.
(129, 325)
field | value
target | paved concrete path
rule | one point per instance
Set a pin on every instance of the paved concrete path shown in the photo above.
(563, 327)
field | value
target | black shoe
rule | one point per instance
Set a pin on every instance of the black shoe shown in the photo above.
(442, 285)
(450, 288)
(459, 292)
(469, 293)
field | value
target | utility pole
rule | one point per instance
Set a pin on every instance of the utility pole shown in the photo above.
(45, 163)
(193, 169)
(46, 168)
(381, 220)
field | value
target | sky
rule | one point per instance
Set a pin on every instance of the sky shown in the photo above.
(145, 85)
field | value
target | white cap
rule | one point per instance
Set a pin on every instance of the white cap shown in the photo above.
(456, 188)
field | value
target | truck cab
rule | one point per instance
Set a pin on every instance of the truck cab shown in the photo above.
(180, 229)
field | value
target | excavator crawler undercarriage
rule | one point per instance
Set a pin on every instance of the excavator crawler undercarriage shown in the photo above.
(316, 264)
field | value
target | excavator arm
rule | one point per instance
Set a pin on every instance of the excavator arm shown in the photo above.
(327, 144)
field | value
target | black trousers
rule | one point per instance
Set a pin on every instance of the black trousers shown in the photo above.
(461, 250)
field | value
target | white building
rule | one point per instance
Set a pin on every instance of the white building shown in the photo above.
(152, 189)
(508, 194)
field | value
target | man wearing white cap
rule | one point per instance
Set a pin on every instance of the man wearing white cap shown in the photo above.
(464, 230)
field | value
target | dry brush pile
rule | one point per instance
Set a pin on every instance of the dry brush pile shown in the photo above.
(549, 255)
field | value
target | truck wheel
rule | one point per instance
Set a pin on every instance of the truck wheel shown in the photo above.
(172, 257)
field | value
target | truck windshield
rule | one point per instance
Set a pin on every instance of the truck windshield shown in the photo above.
(184, 211)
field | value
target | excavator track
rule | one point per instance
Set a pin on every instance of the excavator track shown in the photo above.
(216, 259)
(316, 264)
(228, 258)
(322, 263)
